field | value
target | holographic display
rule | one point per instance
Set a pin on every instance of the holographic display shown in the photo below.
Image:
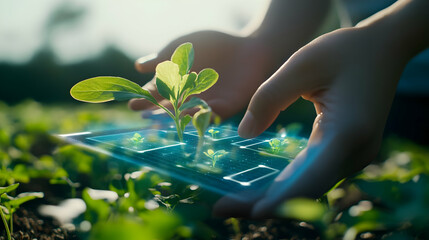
(222, 162)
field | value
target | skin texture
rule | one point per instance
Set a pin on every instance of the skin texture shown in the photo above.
(243, 62)
(349, 74)
(225, 51)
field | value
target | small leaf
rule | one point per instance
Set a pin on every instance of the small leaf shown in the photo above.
(8, 188)
(5, 199)
(201, 120)
(4, 209)
(25, 197)
(220, 153)
(274, 142)
(184, 121)
(183, 56)
(193, 102)
(168, 73)
(206, 78)
(104, 89)
(188, 83)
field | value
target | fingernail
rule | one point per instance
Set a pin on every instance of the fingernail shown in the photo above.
(246, 129)
(147, 58)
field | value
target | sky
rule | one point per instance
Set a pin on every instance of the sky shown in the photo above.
(136, 27)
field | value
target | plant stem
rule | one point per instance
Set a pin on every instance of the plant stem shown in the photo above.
(178, 128)
(11, 222)
(9, 237)
(166, 110)
(176, 119)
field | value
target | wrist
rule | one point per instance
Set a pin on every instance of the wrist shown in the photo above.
(401, 29)
(286, 26)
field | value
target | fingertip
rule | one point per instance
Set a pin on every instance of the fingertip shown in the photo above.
(247, 128)
(137, 104)
(132, 104)
(147, 63)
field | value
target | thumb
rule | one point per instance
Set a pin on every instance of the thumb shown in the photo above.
(147, 64)
(273, 96)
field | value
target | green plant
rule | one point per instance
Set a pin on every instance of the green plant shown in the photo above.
(136, 209)
(9, 205)
(215, 156)
(213, 132)
(175, 82)
(136, 140)
(276, 145)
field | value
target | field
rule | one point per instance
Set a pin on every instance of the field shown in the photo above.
(88, 196)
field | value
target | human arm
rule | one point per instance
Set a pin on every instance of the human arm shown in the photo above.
(244, 61)
(350, 75)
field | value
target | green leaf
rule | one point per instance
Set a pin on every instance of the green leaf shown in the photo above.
(183, 56)
(184, 121)
(206, 78)
(209, 153)
(137, 136)
(164, 90)
(98, 210)
(25, 197)
(104, 89)
(8, 188)
(220, 153)
(193, 102)
(302, 209)
(4, 209)
(274, 142)
(201, 120)
(188, 83)
(168, 73)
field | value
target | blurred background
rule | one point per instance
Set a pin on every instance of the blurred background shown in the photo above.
(47, 46)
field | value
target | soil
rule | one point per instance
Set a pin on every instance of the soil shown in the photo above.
(28, 225)
(270, 229)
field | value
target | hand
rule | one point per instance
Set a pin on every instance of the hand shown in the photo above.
(351, 77)
(243, 63)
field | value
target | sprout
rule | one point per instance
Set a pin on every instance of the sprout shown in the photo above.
(215, 156)
(213, 132)
(277, 145)
(174, 81)
(136, 140)
(9, 205)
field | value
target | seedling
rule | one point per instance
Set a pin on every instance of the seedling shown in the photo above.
(213, 132)
(136, 140)
(9, 205)
(215, 156)
(174, 81)
(276, 145)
